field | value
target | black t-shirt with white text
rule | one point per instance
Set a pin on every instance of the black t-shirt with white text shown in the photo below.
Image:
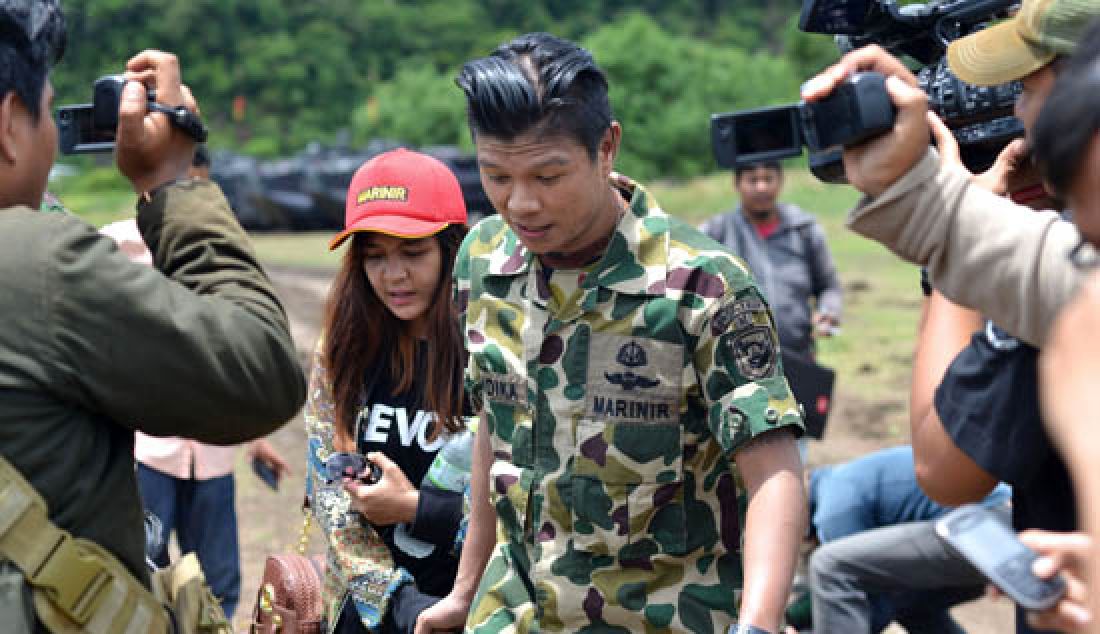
(398, 426)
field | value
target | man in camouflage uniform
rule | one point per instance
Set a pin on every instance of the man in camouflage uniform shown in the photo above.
(625, 364)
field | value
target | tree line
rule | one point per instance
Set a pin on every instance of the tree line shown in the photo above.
(273, 75)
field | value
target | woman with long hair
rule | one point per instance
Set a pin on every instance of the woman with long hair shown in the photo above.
(386, 394)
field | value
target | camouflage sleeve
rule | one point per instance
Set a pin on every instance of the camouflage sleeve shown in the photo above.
(462, 292)
(737, 360)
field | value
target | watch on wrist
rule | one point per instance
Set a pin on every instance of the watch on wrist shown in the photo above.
(742, 628)
(925, 283)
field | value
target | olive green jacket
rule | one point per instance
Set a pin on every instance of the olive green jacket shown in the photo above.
(94, 346)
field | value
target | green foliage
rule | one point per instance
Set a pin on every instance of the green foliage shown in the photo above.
(305, 71)
(420, 106)
(665, 87)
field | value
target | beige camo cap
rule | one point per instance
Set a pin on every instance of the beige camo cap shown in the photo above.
(1015, 48)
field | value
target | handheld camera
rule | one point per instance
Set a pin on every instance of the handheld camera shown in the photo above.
(91, 128)
(858, 109)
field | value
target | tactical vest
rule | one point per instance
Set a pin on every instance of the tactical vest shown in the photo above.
(80, 588)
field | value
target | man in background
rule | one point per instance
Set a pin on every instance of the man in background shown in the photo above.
(785, 249)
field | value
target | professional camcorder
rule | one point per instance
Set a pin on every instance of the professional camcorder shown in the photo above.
(90, 128)
(980, 117)
(858, 109)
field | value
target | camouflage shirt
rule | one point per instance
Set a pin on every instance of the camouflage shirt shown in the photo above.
(616, 397)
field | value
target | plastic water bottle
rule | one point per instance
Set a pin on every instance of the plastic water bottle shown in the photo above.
(450, 471)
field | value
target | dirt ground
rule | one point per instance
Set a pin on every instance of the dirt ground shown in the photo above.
(271, 521)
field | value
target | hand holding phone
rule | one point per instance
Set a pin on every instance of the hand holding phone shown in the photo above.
(265, 472)
(992, 547)
(351, 465)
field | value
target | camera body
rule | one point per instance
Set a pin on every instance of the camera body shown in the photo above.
(857, 110)
(979, 116)
(90, 128)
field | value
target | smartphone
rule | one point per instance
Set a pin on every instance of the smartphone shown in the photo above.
(991, 546)
(264, 472)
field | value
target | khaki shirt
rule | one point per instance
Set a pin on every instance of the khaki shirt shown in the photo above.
(93, 346)
(982, 251)
(616, 398)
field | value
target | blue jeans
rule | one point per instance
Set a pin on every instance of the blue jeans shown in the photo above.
(203, 513)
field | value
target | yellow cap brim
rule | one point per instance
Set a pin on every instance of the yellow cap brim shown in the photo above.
(996, 55)
(406, 228)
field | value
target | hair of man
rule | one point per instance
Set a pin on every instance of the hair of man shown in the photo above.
(740, 170)
(32, 36)
(537, 82)
(1060, 150)
(361, 334)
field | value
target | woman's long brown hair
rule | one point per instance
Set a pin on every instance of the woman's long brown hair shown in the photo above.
(361, 335)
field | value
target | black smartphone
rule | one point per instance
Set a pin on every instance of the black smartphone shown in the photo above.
(264, 472)
(978, 535)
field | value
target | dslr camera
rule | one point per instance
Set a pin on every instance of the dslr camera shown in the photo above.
(980, 117)
(91, 128)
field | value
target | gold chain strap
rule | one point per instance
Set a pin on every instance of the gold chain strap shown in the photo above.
(303, 538)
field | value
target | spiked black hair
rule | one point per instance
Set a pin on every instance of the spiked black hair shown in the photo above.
(540, 83)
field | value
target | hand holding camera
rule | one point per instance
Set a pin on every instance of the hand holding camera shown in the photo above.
(150, 150)
(146, 115)
(876, 164)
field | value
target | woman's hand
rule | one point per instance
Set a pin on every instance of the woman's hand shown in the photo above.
(391, 500)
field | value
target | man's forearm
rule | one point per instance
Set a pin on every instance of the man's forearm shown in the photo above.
(982, 251)
(775, 524)
(480, 540)
(481, 530)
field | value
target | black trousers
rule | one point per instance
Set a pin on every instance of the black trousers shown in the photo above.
(405, 605)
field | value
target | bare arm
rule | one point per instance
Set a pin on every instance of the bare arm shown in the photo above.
(947, 474)
(451, 611)
(776, 520)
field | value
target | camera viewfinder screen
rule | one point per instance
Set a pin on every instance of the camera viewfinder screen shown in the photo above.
(767, 131)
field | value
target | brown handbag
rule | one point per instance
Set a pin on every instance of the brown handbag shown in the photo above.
(289, 598)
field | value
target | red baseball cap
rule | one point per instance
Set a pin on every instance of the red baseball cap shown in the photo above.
(402, 193)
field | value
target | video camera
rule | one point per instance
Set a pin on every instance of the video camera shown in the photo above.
(858, 109)
(979, 117)
(91, 128)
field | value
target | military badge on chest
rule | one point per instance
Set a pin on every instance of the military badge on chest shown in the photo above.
(633, 379)
(632, 356)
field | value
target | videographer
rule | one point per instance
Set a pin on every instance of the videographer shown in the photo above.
(90, 341)
(981, 250)
(991, 426)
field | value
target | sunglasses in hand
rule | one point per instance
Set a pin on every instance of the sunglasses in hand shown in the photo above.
(342, 465)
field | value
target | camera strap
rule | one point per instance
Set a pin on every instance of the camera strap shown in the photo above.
(184, 119)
